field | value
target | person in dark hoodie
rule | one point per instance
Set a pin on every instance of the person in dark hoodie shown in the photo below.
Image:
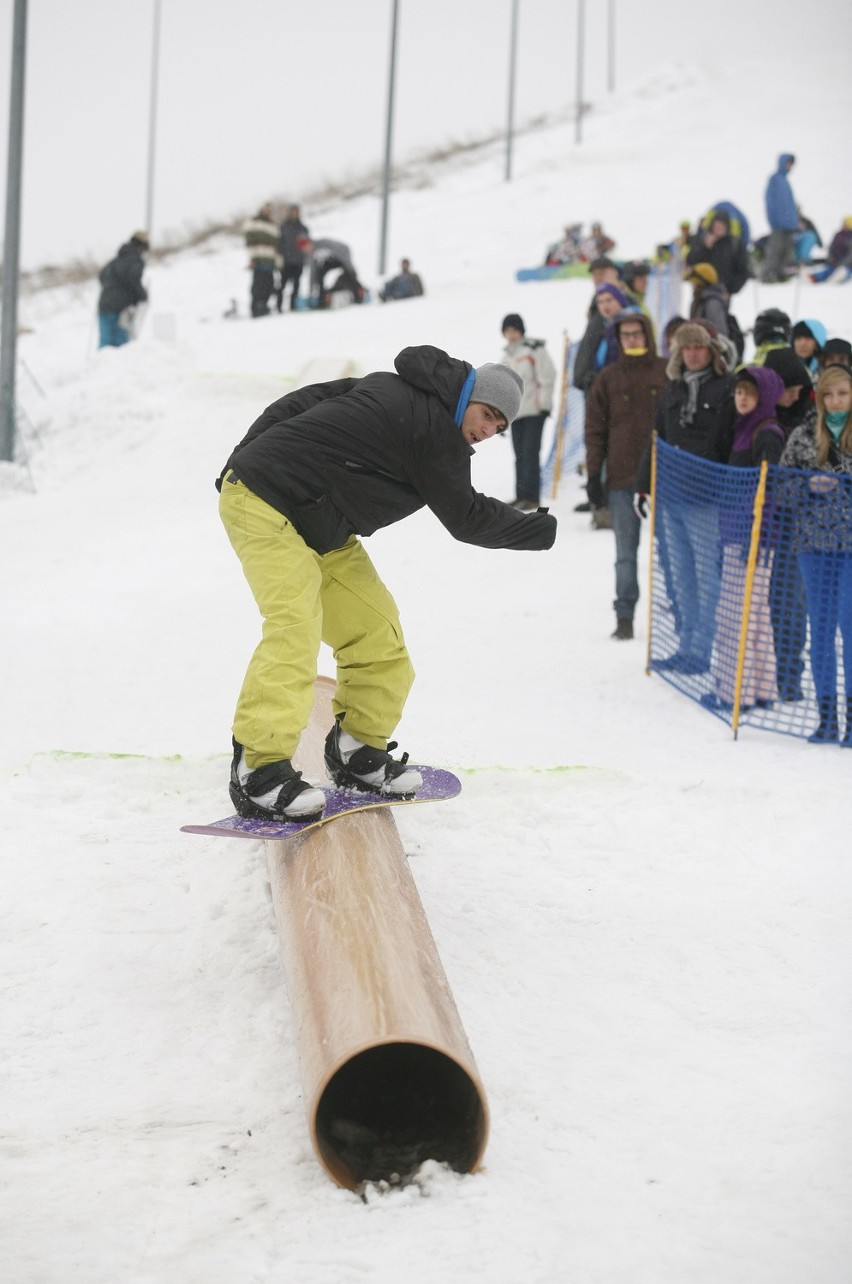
(620, 412)
(321, 467)
(726, 253)
(121, 288)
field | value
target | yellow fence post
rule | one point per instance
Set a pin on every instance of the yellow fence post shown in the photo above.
(757, 518)
(563, 408)
(651, 529)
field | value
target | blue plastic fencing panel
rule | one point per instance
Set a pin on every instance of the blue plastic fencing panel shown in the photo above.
(800, 607)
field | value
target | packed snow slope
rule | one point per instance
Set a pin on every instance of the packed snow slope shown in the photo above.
(644, 923)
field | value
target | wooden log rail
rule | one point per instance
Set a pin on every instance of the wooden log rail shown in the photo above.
(388, 1077)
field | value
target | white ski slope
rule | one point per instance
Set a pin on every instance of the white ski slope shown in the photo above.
(645, 925)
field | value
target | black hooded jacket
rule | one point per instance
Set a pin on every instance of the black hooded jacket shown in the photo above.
(349, 457)
(121, 280)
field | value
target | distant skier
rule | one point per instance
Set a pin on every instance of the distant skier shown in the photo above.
(321, 467)
(121, 290)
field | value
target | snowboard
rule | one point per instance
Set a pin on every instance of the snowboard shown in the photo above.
(558, 272)
(437, 786)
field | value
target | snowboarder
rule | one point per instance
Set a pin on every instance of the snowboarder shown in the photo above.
(321, 467)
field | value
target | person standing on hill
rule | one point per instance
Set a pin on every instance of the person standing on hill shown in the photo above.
(783, 218)
(529, 358)
(262, 237)
(121, 288)
(293, 258)
(320, 468)
(823, 446)
(620, 412)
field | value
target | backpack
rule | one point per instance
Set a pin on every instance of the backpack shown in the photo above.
(736, 335)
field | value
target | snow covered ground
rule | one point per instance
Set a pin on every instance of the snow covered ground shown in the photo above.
(645, 924)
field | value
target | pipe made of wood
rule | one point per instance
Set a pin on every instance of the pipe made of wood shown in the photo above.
(388, 1076)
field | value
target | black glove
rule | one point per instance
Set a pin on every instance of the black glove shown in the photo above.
(595, 492)
(640, 504)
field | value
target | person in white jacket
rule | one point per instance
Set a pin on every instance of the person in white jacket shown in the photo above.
(528, 358)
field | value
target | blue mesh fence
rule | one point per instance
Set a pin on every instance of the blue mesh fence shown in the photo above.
(751, 591)
(662, 298)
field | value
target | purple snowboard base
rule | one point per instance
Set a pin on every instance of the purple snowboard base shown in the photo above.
(437, 785)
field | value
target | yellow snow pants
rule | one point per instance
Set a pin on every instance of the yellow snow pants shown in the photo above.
(306, 598)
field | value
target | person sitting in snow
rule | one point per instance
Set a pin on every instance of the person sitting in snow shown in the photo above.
(596, 243)
(406, 285)
(566, 250)
(320, 468)
(838, 264)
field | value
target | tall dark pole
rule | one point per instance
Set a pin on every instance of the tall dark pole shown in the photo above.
(383, 246)
(510, 124)
(152, 120)
(610, 32)
(581, 23)
(12, 238)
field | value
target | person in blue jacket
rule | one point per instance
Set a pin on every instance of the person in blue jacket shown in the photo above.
(783, 218)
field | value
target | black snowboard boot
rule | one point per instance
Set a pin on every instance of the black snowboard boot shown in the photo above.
(273, 792)
(827, 732)
(353, 765)
(624, 631)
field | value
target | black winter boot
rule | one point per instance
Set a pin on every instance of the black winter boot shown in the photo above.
(623, 631)
(827, 732)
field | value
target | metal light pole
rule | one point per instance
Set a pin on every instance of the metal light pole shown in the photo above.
(610, 31)
(581, 23)
(383, 244)
(510, 125)
(152, 120)
(12, 239)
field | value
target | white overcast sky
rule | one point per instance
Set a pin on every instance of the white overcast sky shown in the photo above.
(261, 97)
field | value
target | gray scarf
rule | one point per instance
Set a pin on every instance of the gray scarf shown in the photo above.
(693, 380)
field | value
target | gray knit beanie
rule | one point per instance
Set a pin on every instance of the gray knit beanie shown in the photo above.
(498, 386)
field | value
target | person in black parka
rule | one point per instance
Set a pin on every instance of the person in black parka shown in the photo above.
(121, 287)
(321, 467)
